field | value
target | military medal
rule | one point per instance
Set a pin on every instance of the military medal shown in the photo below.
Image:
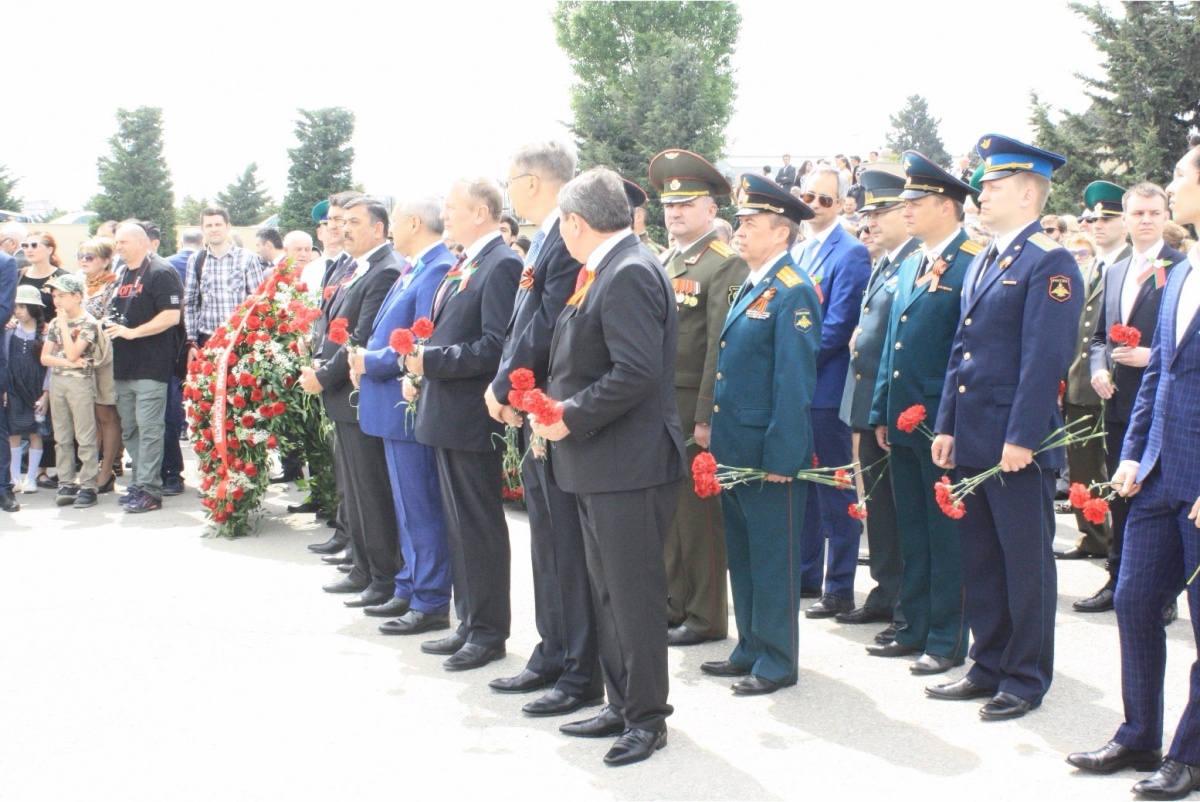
(686, 291)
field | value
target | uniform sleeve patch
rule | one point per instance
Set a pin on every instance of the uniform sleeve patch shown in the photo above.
(1044, 242)
(733, 293)
(788, 277)
(1060, 288)
(804, 320)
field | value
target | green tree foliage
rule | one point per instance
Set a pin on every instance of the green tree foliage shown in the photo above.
(134, 176)
(246, 199)
(321, 164)
(649, 76)
(188, 213)
(1143, 105)
(914, 128)
(9, 202)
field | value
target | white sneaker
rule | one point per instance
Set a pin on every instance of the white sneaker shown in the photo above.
(19, 486)
(30, 485)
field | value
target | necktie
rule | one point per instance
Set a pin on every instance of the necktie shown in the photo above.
(448, 282)
(535, 248)
(988, 260)
(744, 291)
(1097, 275)
(806, 256)
(583, 282)
(347, 277)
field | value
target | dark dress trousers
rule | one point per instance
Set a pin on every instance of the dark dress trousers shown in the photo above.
(1143, 316)
(612, 365)
(8, 292)
(561, 589)
(460, 360)
(887, 564)
(424, 576)
(1020, 310)
(921, 329)
(364, 488)
(1162, 546)
(761, 420)
(706, 280)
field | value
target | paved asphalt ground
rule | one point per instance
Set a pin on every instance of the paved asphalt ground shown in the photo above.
(142, 661)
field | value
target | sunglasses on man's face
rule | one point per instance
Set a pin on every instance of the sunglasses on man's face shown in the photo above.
(1050, 231)
(825, 200)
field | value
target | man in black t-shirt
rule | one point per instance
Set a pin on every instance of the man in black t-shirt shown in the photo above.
(143, 325)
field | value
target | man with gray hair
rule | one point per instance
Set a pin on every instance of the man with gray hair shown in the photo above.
(12, 235)
(619, 448)
(565, 660)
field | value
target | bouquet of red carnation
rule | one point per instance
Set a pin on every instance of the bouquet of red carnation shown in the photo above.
(544, 409)
(405, 342)
(1095, 509)
(709, 478)
(338, 332)
(521, 381)
(1124, 335)
(913, 419)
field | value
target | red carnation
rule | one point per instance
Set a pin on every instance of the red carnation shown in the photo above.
(1125, 335)
(269, 322)
(401, 341)
(272, 442)
(252, 470)
(238, 401)
(1080, 495)
(858, 510)
(247, 379)
(327, 293)
(237, 494)
(423, 328)
(253, 321)
(842, 477)
(911, 418)
(543, 407)
(280, 408)
(288, 381)
(816, 464)
(207, 368)
(267, 410)
(704, 475)
(521, 379)
(337, 330)
(1095, 510)
(256, 395)
(283, 328)
(247, 420)
(1062, 389)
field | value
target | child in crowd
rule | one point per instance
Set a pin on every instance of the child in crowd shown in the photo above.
(27, 396)
(70, 354)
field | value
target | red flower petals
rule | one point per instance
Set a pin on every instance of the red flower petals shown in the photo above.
(911, 418)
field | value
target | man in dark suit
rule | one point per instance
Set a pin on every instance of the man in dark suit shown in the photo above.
(705, 273)
(921, 329)
(619, 449)
(363, 486)
(1160, 470)
(471, 310)
(565, 659)
(1132, 297)
(767, 374)
(786, 177)
(839, 265)
(882, 188)
(421, 600)
(8, 291)
(1021, 306)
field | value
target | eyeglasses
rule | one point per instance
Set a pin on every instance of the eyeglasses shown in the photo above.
(825, 200)
(1050, 231)
(85, 257)
(29, 246)
(1082, 253)
(508, 183)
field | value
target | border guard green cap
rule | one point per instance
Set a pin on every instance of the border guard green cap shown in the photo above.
(680, 176)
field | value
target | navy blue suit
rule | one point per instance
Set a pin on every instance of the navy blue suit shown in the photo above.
(424, 578)
(1162, 547)
(766, 375)
(8, 292)
(840, 268)
(562, 591)
(1014, 343)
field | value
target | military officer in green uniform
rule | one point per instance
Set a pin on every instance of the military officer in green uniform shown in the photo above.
(706, 274)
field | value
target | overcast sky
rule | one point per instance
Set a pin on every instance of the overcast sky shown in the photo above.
(452, 88)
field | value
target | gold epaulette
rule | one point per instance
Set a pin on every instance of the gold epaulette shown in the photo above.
(721, 248)
(1046, 243)
(788, 277)
(972, 247)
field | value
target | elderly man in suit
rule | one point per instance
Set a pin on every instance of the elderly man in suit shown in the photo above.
(619, 449)
(366, 492)
(1160, 470)
(705, 273)
(421, 599)
(1021, 305)
(882, 188)
(8, 292)
(565, 659)
(471, 310)
(921, 328)
(767, 376)
(840, 266)
(1132, 297)
(12, 240)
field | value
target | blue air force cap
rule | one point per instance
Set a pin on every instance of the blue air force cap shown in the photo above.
(1003, 157)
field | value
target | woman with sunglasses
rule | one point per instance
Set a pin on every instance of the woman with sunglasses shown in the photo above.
(95, 259)
(42, 251)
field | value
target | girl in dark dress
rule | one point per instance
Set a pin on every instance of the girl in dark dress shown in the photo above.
(27, 396)
(44, 264)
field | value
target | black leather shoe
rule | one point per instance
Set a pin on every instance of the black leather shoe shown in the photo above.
(524, 682)
(1113, 757)
(1100, 602)
(345, 586)
(472, 655)
(959, 690)
(863, 615)
(829, 606)
(755, 685)
(557, 703)
(447, 645)
(1077, 554)
(331, 546)
(634, 746)
(304, 506)
(1173, 780)
(887, 635)
(604, 724)
(683, 636)
(1004, 705)
(346, 568)
(414, 622)
(724, 668)
(392, 608)
(369, 598)
(1170, 612)
(8, 503)
(893, 649)
(285, 477)
(934, 664)
(341, 558)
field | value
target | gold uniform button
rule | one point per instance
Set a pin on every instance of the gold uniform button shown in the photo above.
(718, 376)
(898, 346)
(904, 318)
(855, 354)
(866, 310)
(716, 408)
(858, 377)
(722, 343)
(967, 355)
(962, 388)
(1085, 339)
(1089, 309)
(896, 375)
(967, 322)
